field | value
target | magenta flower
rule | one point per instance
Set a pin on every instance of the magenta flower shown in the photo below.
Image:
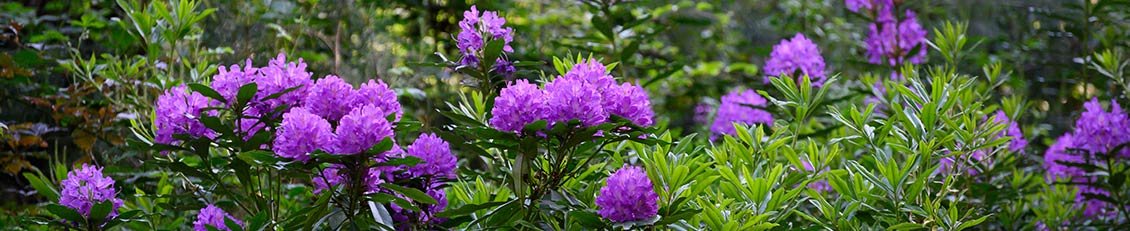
(330, 98)
(574, 99)
(628, 195)
(178, 112)
(360, 130)
(213, 216)
(518, 105)
(738, 108)
(377, 93)
(629, 101)
(436, 156)
(301, 133)
(86, 186)
(795, 58)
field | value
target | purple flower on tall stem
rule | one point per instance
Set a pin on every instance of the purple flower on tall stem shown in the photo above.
(476, 30)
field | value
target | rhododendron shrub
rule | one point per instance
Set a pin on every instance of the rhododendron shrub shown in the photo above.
(255, 130)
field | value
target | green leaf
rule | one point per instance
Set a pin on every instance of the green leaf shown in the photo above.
(970, 224)
(588, 219)
(407, 161)
(381, 147)
(65, 213)
(207, 91)
(260, 157)
(491, 52)
(246, 92)
(906, 226)
(41, 187)
(468, 209)
(99, 211)
(414, 194)
(232, 225)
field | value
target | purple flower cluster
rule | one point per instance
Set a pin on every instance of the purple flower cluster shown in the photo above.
(586, 93)
(359, 115)
(1096, 131)
(177, 112)
(517, 105)
(627, 196)
(436, 157)
(278, 76)
(86, 186)
(738, 108)
(891, 39)
(301, 133)
(215, 217)
(796, 57)
(476, 31)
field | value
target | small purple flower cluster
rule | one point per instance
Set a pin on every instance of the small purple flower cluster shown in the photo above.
(1096, 131)
(587, 93)
(628, 195)
(796, 57)
(86, 186)
(215, 217)
(479, 29)
(738, 107)
(891, 40)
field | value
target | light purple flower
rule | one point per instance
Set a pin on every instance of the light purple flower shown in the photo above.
(738, 108)
(86, 186)
(796, 57)
(593, 73)
(475, 30)
(301, 133)
(280, 75)
(360, 130)
(377, 93)
(330, 98)
(229, 79)
(178, 112)
(213, 216)
(1013, 131)
(436, 157)
(629, 101)
(1099, 131)
(628, 195)
(574, 99)
(891, 41)
(518, 105)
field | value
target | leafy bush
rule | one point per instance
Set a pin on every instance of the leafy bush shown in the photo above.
(581, 115)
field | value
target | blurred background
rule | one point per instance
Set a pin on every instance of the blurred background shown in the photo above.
(77, 77)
